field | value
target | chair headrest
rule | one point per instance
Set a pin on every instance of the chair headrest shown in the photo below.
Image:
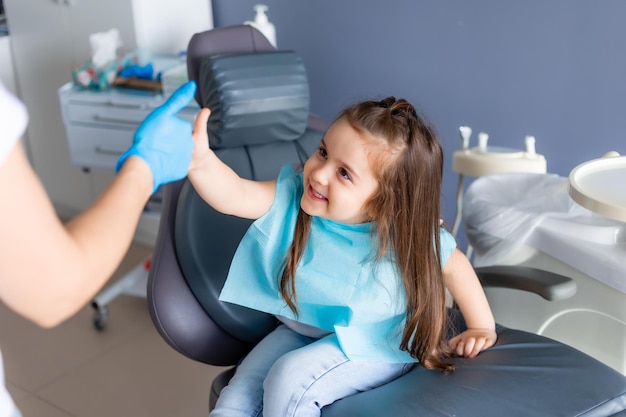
(255, 98)
(222, 40)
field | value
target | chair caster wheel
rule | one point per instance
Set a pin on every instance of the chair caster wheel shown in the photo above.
(100, 316)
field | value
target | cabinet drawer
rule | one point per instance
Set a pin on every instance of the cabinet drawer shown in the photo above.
(118, 115)
(97, 147)
(107, 115)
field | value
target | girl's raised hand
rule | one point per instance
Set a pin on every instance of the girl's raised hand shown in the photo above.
(201, 139)
(472, 341)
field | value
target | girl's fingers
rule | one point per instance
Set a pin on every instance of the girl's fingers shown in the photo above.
(199, 127)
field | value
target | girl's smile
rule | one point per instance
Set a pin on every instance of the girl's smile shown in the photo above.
(315, 195)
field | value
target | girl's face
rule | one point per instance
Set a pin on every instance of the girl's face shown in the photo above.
(338, 179)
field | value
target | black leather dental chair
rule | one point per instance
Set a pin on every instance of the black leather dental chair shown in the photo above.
(522, 375)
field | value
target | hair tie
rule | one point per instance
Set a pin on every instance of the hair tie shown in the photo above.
(387, 103)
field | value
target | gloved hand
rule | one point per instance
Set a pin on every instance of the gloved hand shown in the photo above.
(164, 140)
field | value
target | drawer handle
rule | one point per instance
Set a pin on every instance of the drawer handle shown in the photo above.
(111, 152)
(140, 106)
(99, 118)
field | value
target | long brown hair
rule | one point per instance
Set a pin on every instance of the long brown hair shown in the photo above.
(407, 161)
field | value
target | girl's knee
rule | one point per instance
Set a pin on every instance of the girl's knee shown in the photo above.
(281, 373)
(284, 387)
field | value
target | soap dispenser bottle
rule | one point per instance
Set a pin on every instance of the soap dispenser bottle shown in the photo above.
(262, 23)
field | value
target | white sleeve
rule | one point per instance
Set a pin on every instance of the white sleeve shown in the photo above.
(13, 119)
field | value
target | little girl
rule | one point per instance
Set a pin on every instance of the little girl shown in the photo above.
(351, 257)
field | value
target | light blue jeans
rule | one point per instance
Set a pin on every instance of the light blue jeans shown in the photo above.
(288, 374)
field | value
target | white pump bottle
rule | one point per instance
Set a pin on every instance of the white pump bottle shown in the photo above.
(262, 23)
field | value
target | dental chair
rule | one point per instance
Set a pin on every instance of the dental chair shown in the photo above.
(522, 375)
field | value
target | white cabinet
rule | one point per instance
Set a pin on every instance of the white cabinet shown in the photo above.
(49, 38)
(100, 124)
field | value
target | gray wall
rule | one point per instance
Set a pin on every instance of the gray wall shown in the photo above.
(555, 69)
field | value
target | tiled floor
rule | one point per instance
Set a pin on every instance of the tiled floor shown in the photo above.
(125, 370)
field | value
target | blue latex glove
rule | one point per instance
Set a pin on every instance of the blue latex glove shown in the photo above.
(164, 140)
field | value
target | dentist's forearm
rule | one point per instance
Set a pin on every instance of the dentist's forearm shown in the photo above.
(52, 270)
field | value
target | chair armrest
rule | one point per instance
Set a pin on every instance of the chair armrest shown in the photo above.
(178, 317)
(551, 286)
